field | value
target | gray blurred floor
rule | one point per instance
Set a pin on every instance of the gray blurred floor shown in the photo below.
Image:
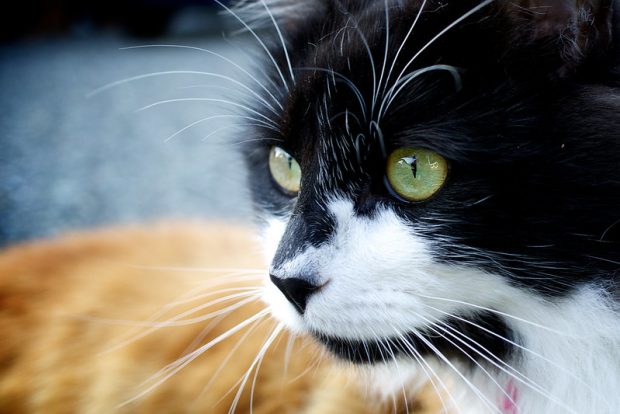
(70, 162)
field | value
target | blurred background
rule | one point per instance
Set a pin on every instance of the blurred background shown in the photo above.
(74, 155)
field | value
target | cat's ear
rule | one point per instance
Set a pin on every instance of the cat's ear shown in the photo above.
(573, 30)
(287, 13)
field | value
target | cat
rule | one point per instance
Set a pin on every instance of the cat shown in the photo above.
(69, 344)
(439, 192)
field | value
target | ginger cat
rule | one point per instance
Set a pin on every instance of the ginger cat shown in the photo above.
(95, 322)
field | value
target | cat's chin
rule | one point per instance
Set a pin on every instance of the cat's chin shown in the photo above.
(465, 342)
(365, 351)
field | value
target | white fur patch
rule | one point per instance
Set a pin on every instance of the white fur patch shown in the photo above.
(384, 282)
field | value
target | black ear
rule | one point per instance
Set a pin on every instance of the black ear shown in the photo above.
(287, 13)
(574, 30)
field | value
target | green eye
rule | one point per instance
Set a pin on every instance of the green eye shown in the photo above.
(285, 170)
(416, 174)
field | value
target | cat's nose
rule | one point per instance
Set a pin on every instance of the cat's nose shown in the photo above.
(297, 291)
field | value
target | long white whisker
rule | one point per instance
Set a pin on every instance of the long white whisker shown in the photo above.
(404, 42)
(236, 65)
(232, 277)
(178, 320)
(385, 53)
(259, 40)
(261, 354)
(443, 32)
(223, 101)
(430, 325)
(287, 352)
(241, 341)
(183, 362)
(524, 349)
(187, 299)
(227, 127)
(476, 391)
(492, 311)
(173, 322)
(422, 362)
(505, 368)
(184, 72)
(210, 118)
(402, 383)
(142, 324)
(286, 54)
(196, 269)
(347, 81)
(393, 93)
(370, 58)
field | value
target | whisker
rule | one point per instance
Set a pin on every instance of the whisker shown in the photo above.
(369, 53)
(183, 362)
(443, 32)
(245, 141)
(196, 269)
(402, 383)
(236, 65)
(183, 72)
(215, 100)
(471, 386)
(233, 277)
(393, 93)
(277, 27)
(261, 354)
(187, 299)
(210, 118)
(215, 375)
(436, 323)
(136, 323)
(259, 40)
(172, 322)
(356, 91)
(387, 43)
(515, 374)
(537, 325)
(608, 229)
(422, 362)
(251, 296)
(288, 351)
(224, 128)
(523, 348)
(402, 45)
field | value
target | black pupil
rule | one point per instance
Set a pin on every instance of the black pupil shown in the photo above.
(413, 163)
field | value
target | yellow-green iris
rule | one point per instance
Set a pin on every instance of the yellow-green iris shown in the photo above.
(285, 170)
(416, 174)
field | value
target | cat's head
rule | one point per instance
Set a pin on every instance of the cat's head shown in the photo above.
(425, 168)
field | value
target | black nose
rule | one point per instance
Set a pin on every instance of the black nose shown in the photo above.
(297, 291)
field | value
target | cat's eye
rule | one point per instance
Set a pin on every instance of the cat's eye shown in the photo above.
(285, 170)
(416, 174)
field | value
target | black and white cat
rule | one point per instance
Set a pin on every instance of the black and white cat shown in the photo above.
(440, 187)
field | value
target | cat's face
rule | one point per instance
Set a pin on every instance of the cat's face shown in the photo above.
(437, 178)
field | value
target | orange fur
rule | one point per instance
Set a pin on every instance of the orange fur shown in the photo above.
(60, 303)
